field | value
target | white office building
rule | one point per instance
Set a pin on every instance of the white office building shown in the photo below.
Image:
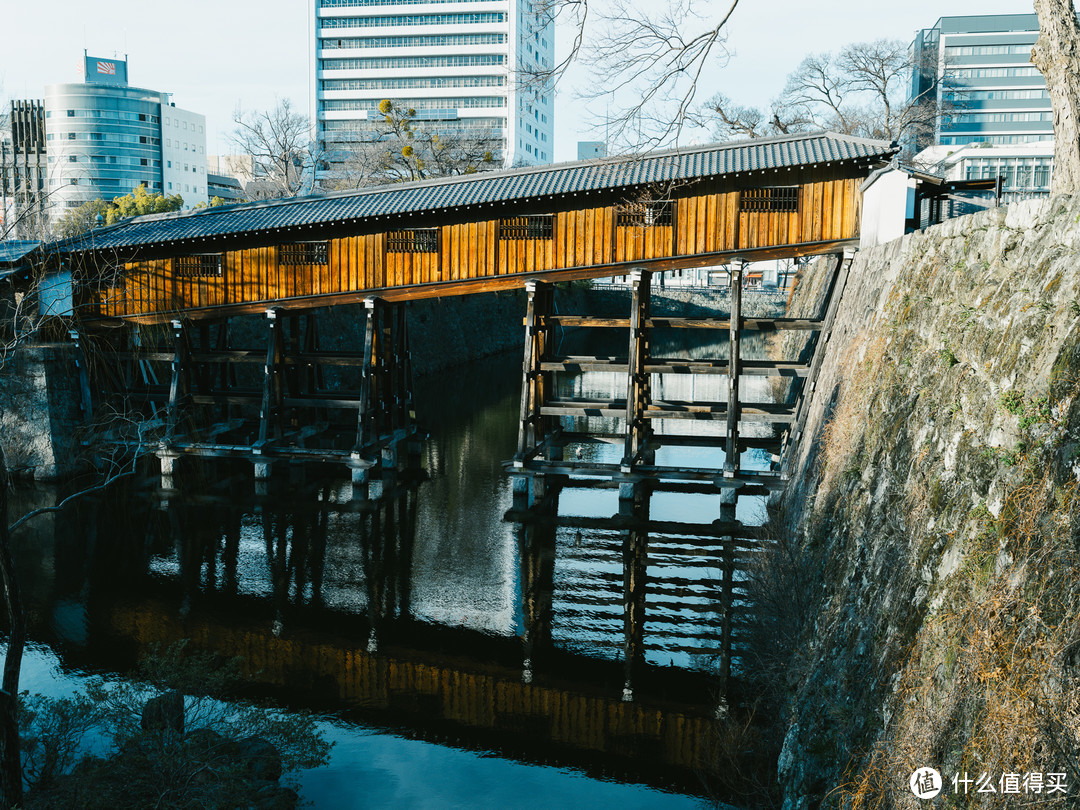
(457, 63)
(104, 138)
(996, 118)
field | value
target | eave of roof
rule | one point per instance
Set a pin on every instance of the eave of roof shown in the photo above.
(524, 185)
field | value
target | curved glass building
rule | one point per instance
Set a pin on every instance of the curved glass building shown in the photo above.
(104, 138)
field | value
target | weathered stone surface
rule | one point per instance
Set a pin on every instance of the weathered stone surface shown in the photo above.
(39, 411)
(938, 488)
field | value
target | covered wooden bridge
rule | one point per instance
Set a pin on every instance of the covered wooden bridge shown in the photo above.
(724, 204)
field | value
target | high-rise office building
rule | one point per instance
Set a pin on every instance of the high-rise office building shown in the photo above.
(995, 117)
(23, 172)
(459, 64)
(979, 71)
(105, 137)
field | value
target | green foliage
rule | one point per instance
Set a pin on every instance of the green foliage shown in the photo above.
(945, 354)
(1012, 401)
(208, 765)
(138, 203)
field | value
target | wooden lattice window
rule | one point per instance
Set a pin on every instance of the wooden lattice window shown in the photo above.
(775, 198)
(299, 253)
(641, 214)
(533, 226)
(201, 265)
(413, 240)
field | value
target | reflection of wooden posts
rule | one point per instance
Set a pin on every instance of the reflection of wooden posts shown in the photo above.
(835, 292)
(637, 378)
(731, 456)
(536, 543)
(635, 573)
(728, 546)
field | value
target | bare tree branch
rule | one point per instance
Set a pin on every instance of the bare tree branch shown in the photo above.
(279, 145)
(646, 61)
(862, 90)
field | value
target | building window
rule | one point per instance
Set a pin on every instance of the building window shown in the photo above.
(299, 253)
(71, 113)
(201, 265)
(640, 214)
(73, 159)
(535, 226)
(777, 198)
(413, 240)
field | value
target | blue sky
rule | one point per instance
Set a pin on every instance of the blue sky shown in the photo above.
(214, 56)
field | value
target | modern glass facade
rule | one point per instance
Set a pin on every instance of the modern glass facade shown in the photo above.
(458, 63)
(105, 138)
(978, 70)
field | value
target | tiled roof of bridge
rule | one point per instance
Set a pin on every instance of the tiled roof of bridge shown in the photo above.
(528, 184)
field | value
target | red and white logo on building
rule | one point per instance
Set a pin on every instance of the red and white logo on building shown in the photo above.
(108, 68)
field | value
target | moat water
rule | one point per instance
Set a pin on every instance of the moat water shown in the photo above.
(459, 658)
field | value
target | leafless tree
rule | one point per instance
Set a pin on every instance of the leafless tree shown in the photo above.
(861, 90)
(1057, 55)
(646, 60)
(279, 145)
(402, 148)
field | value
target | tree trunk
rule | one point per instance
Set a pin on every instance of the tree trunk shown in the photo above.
(1057, 55)
(10, 758)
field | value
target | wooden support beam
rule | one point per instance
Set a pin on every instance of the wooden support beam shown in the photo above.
(836, 291)
(731, 457)
(755, 368)
(749, 324)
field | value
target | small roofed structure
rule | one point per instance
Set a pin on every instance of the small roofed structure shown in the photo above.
(899, 199)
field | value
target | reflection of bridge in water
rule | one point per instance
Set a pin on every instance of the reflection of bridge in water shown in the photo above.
(320, 598)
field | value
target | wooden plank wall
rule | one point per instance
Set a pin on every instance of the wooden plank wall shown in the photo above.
(704, 223)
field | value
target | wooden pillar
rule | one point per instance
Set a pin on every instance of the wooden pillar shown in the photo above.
(731, 455)
(637, 379)
(790, 447)
(85, 401)
(180, 384)
(364, 427)
(273, 394)
(533, 393)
